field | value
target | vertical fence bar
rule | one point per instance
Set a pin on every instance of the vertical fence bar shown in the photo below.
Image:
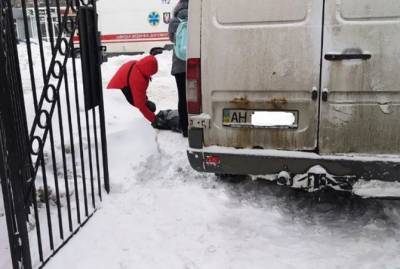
(90, 157)
(58, 201)
(29, 52)
(103, 133)
(14, 139)
(72, 146)
(40, 38)
(64, 161)
(58, 15)
(46, 201)
(78, 118)
(104, 145)
(37, 223)
(50, 25)
(97, 153)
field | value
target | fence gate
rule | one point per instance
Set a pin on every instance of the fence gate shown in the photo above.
(53, 150)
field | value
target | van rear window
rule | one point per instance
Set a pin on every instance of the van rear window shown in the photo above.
(370, 9)
(261, 11)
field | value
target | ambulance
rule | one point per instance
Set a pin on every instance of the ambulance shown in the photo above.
(306, 92)
(134, 26)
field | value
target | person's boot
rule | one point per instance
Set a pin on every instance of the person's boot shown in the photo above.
(185, 133)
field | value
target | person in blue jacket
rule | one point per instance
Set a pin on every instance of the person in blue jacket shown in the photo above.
(178, 66)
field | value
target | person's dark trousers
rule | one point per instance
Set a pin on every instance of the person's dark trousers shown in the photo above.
(182, 107)
(128, 95)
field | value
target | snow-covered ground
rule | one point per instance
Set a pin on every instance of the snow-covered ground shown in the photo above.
(162, 214)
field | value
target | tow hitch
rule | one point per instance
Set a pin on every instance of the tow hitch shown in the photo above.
(316, 179)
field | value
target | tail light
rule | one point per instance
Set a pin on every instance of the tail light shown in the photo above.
(193, 86)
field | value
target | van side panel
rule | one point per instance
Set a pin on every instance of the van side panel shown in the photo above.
(261, 55)
(362, 114)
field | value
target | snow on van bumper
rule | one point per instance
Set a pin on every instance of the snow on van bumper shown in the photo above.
(265, 162)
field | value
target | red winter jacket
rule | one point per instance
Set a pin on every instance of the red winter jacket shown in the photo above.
(138, 82)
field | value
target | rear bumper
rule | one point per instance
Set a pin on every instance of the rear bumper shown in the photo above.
(268, 162)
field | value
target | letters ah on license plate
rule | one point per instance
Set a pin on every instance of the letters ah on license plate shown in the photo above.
(260, 118)
(237, 117)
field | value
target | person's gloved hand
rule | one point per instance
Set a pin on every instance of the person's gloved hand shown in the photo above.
(151, 106)
(159, 123)
(157, 50)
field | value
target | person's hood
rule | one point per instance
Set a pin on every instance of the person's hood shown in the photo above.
(120, 79)
(148, 66)
(182, 5)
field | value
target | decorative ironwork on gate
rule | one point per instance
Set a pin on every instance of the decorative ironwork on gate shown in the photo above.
(52, 176)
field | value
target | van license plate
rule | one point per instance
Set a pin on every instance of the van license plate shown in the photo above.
(260, 118)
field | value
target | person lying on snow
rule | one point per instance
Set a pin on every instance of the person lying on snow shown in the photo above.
(133, 79)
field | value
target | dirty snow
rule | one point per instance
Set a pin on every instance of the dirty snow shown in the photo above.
(375, 188)
(162, 214)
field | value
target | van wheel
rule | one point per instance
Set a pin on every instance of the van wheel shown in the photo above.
(231, 178)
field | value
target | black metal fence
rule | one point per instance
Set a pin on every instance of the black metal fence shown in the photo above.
(52, 177)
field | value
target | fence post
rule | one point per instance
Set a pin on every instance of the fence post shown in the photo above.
(91, 69)
(14, 146)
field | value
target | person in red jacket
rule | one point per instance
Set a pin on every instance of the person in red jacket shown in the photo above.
(133, 79)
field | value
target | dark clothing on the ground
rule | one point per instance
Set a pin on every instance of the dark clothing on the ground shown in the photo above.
(168, 120)
(180, 13)
(182, 107)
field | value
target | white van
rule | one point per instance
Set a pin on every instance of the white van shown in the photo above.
(134, 26)
(295, 87)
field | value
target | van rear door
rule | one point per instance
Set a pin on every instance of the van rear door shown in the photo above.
(261, 55)
(360, 110)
